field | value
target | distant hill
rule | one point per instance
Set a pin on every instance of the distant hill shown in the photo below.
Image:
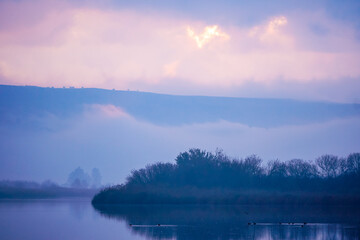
(19, 103)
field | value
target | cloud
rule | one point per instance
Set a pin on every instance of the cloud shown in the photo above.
(62, 44)
(275, 23)
(101, 136)
(108, 110)
(209, 33)
(170, 69)
(270, 28)
(270, 33)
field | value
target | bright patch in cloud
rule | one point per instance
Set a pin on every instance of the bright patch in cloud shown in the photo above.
(208, 34)
(109, 110)
(270, 32)
(171, 69)
(275, 23)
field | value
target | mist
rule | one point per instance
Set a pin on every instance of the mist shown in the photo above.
(49, 144)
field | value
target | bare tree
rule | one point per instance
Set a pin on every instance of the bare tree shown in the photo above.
(276, 169)
(252, 165)
(301, 169)
(328, 166)
(353, 163)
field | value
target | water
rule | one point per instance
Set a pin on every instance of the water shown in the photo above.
(78, 219)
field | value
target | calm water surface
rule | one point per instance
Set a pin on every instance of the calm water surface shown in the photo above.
(78, 219)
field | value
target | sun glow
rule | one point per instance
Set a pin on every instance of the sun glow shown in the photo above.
(209, 33)
(275, 23)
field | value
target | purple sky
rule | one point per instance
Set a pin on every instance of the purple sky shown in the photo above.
(308, 50)
(236, 48)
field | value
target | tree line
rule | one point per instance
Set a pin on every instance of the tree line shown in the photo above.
(200, 174)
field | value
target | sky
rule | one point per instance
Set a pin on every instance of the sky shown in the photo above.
(46, 133)
(279, 49)
(105, 137)
(305, 50)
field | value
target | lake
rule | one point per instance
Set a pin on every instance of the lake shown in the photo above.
(78, 219)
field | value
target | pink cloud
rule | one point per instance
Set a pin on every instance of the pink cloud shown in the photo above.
(59, 45)
(107, 110)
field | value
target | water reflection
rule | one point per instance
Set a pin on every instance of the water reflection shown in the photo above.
(57, 219)
(236, 222)
(77, 219)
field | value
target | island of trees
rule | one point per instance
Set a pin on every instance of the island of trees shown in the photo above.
(199, 176)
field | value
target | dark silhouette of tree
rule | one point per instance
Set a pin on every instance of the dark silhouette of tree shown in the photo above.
(353, 163)
(299, 168)
(154, 174)
(277, 169)
(252, 165)
(201, 176)
(329, 166)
